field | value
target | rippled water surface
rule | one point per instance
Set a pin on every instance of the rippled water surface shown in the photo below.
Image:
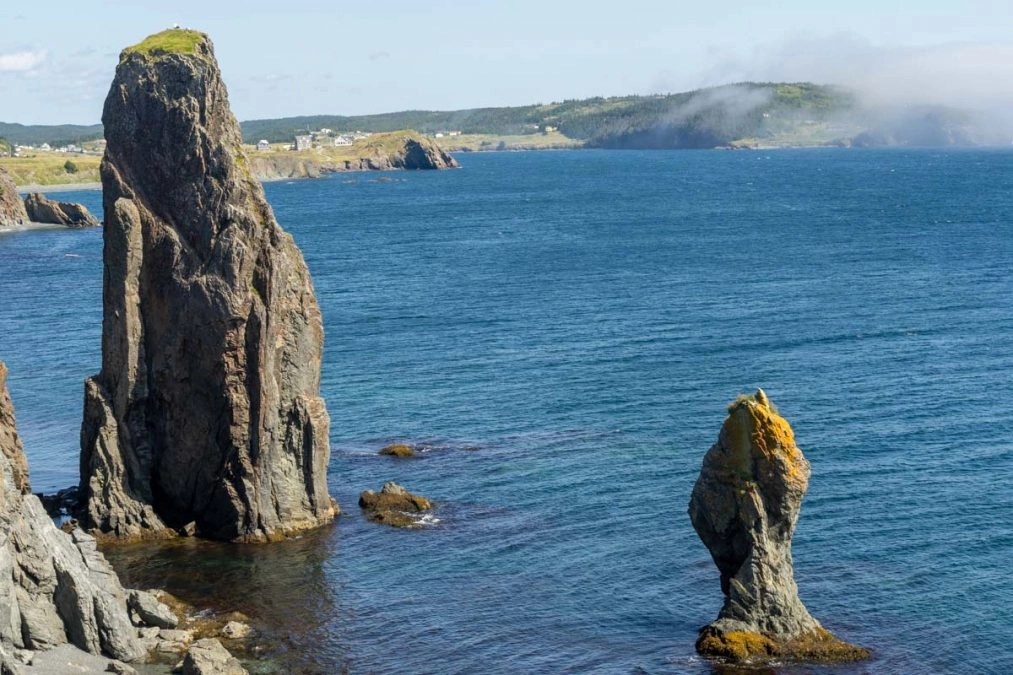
(562, 331)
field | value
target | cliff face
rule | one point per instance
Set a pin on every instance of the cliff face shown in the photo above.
(206, 416)
(55, 587)
(43, 210)
(744, 506)
(12, 209)
(422, 153)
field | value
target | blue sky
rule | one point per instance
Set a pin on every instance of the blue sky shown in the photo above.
(308, 57)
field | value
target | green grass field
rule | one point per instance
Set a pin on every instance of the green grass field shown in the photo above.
(49, 169)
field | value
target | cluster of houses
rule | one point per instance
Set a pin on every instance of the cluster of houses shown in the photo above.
(319, 139)
(441, 134)
(95, 148)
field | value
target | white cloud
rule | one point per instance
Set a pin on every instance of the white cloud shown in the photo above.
(19, 62)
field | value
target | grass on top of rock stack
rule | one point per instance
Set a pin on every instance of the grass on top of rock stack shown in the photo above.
(171, 41)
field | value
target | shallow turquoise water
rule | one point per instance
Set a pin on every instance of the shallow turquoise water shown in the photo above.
(563, 331)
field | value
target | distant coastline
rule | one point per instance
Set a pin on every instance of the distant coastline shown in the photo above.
(58, 187)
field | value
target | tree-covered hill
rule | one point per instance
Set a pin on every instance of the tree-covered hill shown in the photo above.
(748, 114)
(37, 134)
(701, 118)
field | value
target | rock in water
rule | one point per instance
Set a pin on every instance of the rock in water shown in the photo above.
(43, 210)
(12, 209)
(207, 408)
(394, 506)
(55, 588)
(744, 506)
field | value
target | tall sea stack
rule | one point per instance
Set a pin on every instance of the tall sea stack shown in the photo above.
(55, 588)
(206, 416)
(744, 506)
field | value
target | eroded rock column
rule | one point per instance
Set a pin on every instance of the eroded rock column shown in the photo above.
(744, 506)
(206, 416)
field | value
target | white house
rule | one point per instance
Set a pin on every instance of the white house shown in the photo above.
(342, 140)
(303, 143)
(263, 145)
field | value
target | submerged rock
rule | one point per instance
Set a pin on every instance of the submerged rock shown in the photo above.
(236, 630)
(55, 588)
(12, 209)
(393, 506)
(43, 210)
(207, 408)
(398, 450)
(744, 506)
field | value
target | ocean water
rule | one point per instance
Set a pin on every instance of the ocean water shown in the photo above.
(561, 332)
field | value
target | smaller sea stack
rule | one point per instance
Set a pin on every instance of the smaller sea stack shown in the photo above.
(744, 506)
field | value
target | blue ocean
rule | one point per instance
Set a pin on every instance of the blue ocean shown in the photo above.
(561, 332)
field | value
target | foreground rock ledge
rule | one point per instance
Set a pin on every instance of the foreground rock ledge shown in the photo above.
(744, 506)
(55, 588)
(206, 416)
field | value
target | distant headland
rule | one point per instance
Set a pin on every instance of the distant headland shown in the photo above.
(743, 115)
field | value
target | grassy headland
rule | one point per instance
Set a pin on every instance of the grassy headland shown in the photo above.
(376, 152)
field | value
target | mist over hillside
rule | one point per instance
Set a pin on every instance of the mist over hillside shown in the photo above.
(748, 114)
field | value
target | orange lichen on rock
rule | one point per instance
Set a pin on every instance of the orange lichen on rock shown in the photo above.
(398, 450)
(817, 646)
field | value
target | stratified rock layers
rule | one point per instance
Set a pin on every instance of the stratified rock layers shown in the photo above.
(206, 414)
(55, 587)
(744, 506)
(12, 209)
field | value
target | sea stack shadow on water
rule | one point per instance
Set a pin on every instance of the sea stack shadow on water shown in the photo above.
(744, 506)
(206, 416)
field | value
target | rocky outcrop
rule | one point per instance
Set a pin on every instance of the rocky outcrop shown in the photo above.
(744, 506)
(150, 611)
(209, 657)
(397, 450)
(12, 209)
(422, 153)
(394, 506)
(43, 210)
(206, 415)
(392, 151)
(55, 588)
